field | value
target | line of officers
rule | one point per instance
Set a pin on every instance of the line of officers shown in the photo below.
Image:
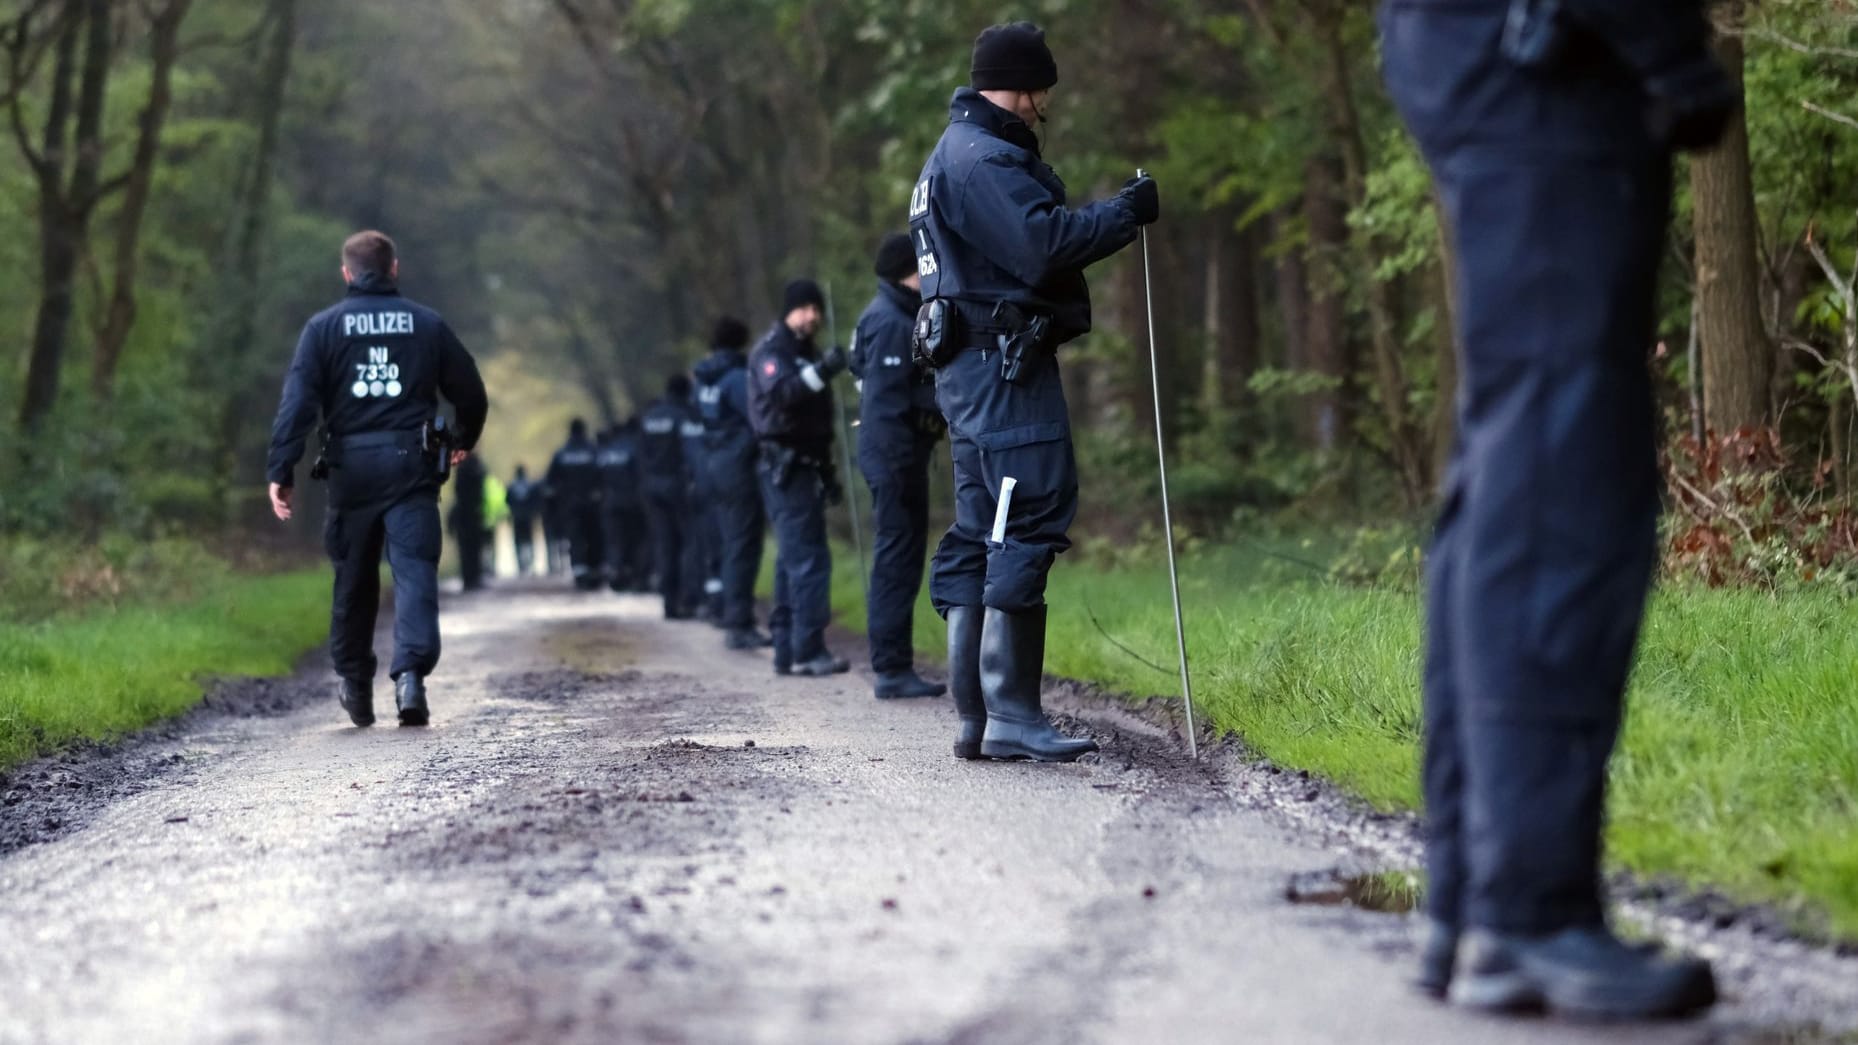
(679, 498)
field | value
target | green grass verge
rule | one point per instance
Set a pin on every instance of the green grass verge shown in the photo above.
(100, 675)
(1739, 764)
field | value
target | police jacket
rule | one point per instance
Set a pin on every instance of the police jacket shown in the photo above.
(990, 224)
(618, 462)
(377, 362)
(661, 446)
(690, 435)
(722, 405)
(897, 416)
(787, 402)
(574, 476)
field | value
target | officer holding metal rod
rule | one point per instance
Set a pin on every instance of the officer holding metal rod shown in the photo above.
(373, 368)
(1002, 261)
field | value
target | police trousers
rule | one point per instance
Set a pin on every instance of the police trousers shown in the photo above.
(1547, 539)
(669, 511)
(582, 518)
(802, 562)
(383, 498)
(899, 484)
(997, 431)
(741, 525)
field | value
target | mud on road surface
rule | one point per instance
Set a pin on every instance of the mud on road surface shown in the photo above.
(615, 831)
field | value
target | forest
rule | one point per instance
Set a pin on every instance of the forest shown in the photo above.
(581, 186)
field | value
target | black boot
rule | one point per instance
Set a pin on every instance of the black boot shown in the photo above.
(1012, 669)
(1583, 972)
(964, 678)
(824, 664)
(1436, 957)
(357, 698)
(905, 685)
(410, 697)
(746, 638)
(783, 653)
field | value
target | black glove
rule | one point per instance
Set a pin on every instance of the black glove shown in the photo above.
(833, 363)
(1690, 109)
(1143, 197)
(833, 492)
(1690, 97)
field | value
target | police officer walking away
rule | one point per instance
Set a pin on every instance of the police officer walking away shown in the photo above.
(661, 454)
(373, 367)
(1002, 259)
(790, 406)
(525, 501)
(899, 425)
(729, 464)
(574, 481)
(1550, 130)
(622, 512)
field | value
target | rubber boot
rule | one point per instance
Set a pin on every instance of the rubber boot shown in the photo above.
(906, 685)
(410, 698)
(964, 678)
(1012, 669)
(1584, 972)
(357, 698)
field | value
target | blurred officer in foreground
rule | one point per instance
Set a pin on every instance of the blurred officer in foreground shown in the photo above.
(622, 507)
(790, 406)
(729, 463)
(574, 480)
(374, 367)
(667, 484)
(467, 522)
(1002, 261)
(524, 498)
(1550, 130)
(898, 427)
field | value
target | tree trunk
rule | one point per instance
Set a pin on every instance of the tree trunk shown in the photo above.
(1738, 360)
(1231, 313)
(1404, 439)
(1326, 320)
(57, 240)
(164, 50)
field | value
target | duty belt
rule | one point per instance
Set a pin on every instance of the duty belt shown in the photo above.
(407, 440)
(977, 318)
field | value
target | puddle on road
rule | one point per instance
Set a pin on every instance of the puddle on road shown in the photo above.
(1383, 892)
(591, 647)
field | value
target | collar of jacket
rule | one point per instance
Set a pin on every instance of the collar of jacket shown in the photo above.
(786, 340)
(969, 106)
(719, 362)
(372, 285)
(906, 301)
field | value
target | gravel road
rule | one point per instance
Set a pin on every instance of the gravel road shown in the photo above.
(617, 832)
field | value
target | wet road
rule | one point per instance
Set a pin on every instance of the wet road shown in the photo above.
(594, 844)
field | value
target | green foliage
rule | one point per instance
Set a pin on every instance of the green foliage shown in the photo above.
(105, 673)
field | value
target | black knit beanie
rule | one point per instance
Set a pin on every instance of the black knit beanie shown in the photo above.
(1013, 58)
(730, 332)
(896, 258)
(801, 293)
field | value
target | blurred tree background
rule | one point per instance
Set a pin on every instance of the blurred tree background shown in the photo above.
(583, 185)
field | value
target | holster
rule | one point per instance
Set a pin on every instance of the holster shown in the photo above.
(1021, 333)
(780, 461)
(936, 337)
(437, 442)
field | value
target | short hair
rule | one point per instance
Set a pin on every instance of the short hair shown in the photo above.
(577, 427)
(677, 386)
(369, 253)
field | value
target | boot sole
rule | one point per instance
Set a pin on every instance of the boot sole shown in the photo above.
(414, 717)
(1521, 993)
(1014, 753)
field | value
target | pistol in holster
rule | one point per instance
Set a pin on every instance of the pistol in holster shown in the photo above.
(319, 468)
(1021, 333)
(437, 441)
(780, 461)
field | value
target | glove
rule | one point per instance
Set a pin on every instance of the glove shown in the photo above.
(834, 494)
(1690, 97)
(1689, 109)
(1143, 198)
(833, 363)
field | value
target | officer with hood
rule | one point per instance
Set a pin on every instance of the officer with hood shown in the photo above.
(667, 504)
(898, 428)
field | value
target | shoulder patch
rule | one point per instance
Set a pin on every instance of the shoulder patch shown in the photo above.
(770, 368)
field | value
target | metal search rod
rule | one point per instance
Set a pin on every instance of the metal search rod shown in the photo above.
(1167, 515)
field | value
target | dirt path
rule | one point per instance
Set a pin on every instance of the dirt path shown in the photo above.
(617, 832)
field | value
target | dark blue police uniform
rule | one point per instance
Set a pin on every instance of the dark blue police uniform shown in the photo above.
(729, 461)
(574, 483)
(661, 453)
(1545, 139)
(702, 586)
(791, 410)
(524, 497)
(996, 242)
(626, 546)
(374, 367)
(899, 426)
